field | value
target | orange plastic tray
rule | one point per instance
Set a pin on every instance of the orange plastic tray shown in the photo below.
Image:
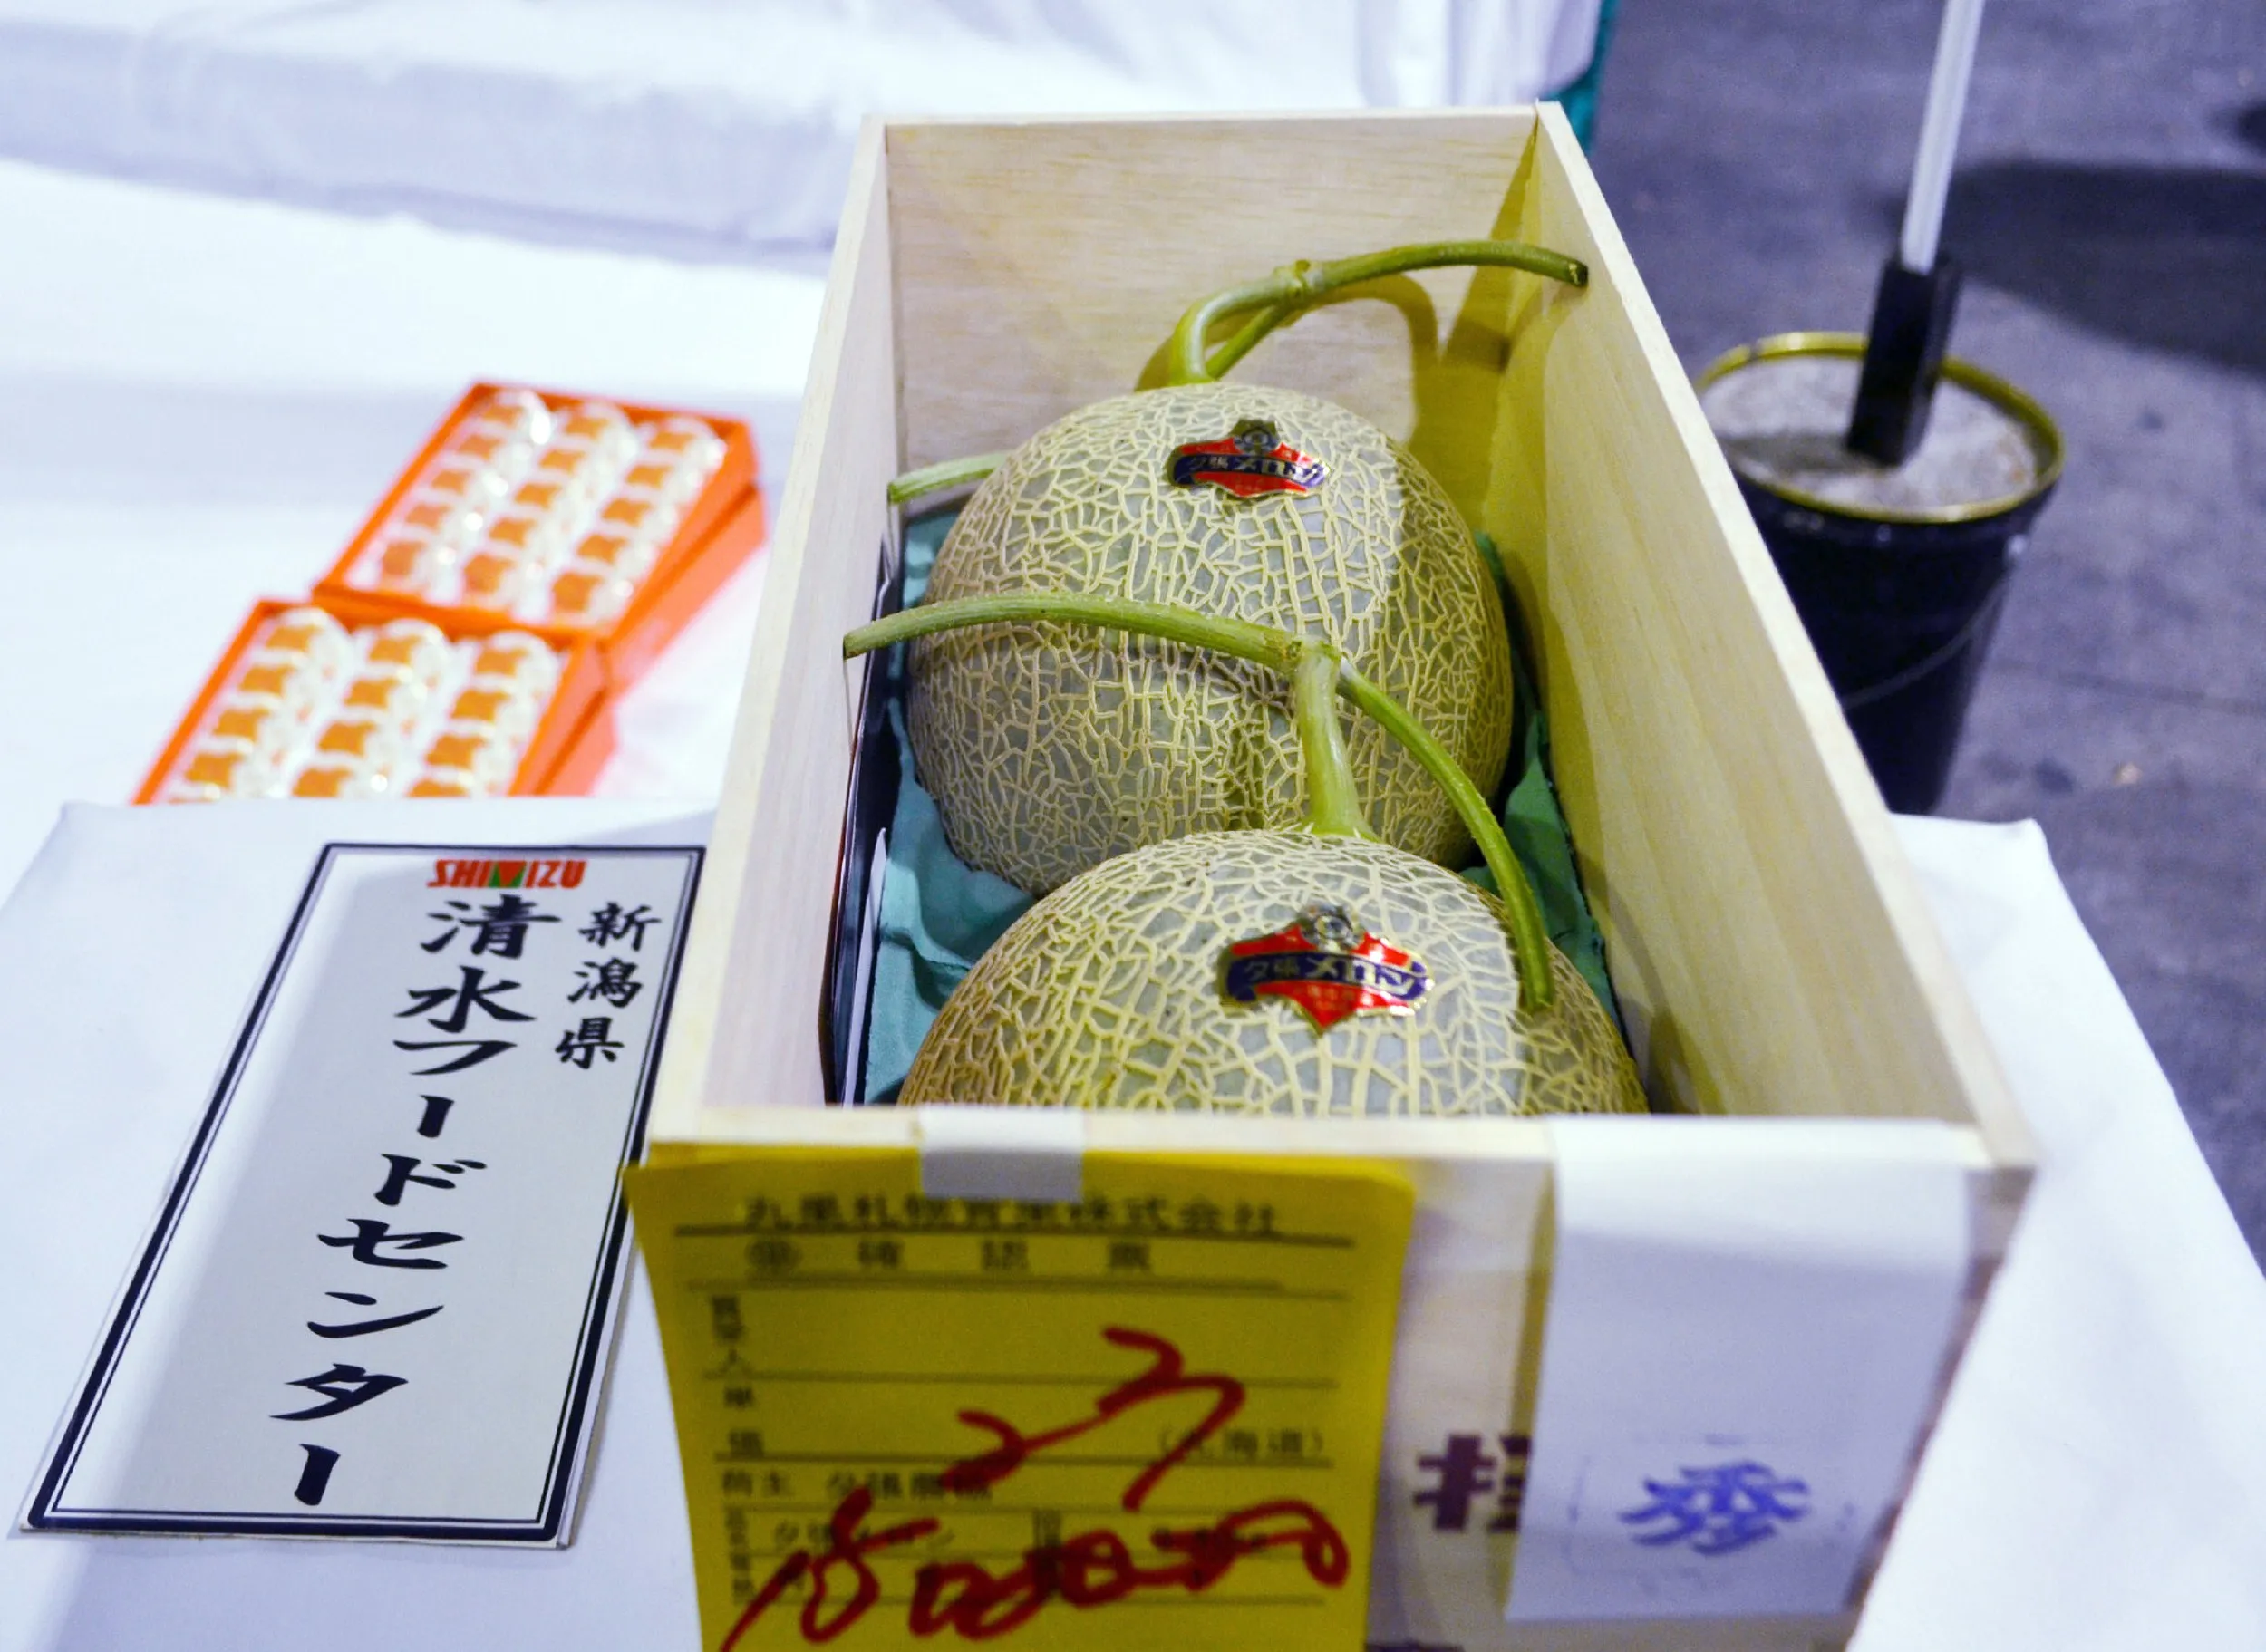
(723, 524)
(570, 743)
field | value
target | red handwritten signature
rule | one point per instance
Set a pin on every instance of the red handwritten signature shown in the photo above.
(1092, 1568)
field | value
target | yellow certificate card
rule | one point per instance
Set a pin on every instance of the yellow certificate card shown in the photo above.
(1150, 1417)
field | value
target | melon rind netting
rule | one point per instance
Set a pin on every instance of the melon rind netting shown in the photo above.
(1106, 994)
(1049, 750)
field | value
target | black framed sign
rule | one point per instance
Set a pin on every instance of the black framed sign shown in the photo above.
(381, 1293)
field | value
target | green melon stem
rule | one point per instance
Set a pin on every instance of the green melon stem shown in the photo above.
(1296, 286)
(1279, 298)
(939, 477)
(1319, 735)
(1334, 802)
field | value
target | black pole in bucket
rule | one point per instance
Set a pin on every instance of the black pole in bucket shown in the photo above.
(1894, 485)
(1919, 290)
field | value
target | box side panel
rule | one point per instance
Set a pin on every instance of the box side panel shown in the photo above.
(1046, 263)
(745, 1028)
(1746, 873)
(575, 731)
(677, 589)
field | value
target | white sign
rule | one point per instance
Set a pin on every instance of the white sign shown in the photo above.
(379, 1299)
(1748, 1319)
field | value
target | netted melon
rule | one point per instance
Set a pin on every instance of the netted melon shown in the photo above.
(1049, 750)
(1306, 970)
(1111, 994)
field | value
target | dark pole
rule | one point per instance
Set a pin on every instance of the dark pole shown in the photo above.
(1919, 289)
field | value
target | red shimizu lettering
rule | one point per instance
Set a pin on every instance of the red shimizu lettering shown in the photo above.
(1090, 1570)
(507, 874)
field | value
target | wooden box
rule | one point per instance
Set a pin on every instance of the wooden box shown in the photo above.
(1769, 946)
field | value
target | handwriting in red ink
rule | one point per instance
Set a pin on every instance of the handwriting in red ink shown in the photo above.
(1092, 1568)
(1097, 1568)
(1167, 1376)
(849, 1547)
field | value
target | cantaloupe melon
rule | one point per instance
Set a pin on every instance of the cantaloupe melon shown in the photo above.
(1307, 971)
(1109, 993)
(1048, 750)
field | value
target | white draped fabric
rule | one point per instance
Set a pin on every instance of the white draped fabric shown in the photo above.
(700, 125)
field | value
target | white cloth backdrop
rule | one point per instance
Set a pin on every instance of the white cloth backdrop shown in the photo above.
(701, 125)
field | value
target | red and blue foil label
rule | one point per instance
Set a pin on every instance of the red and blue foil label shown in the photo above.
(1327, 964)
(1251, 460)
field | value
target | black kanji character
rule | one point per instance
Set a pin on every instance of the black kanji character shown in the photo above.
(592, 1038)
(1465, 1470)
(499, 928)
(315, 1477)
(482, 1049)
(400, 1167)
(363, 1327)
(344, 1387)
(471, 991)
(610, 923)
(1200, 1215)
(369, 1236)
(610, 979)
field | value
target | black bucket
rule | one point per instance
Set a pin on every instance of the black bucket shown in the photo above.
(1901, 604)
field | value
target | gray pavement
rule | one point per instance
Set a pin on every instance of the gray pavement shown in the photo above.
(2110, 210)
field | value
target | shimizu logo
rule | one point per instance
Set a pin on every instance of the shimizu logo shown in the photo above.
(506, 874)
(1252, 459)
(1328, 965)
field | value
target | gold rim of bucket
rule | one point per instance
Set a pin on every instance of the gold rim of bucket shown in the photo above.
(2045, 435)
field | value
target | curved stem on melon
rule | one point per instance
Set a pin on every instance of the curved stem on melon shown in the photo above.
(1333, 804)
(1306, 663)
(1530, 934)
(1295, 287)
(1278, 298)
(938, 477)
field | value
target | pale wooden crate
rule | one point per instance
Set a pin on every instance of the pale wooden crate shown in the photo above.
(1768, 943)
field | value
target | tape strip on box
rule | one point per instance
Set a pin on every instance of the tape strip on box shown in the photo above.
(1036, 1153)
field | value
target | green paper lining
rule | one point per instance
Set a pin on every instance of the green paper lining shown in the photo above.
(939, 914)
